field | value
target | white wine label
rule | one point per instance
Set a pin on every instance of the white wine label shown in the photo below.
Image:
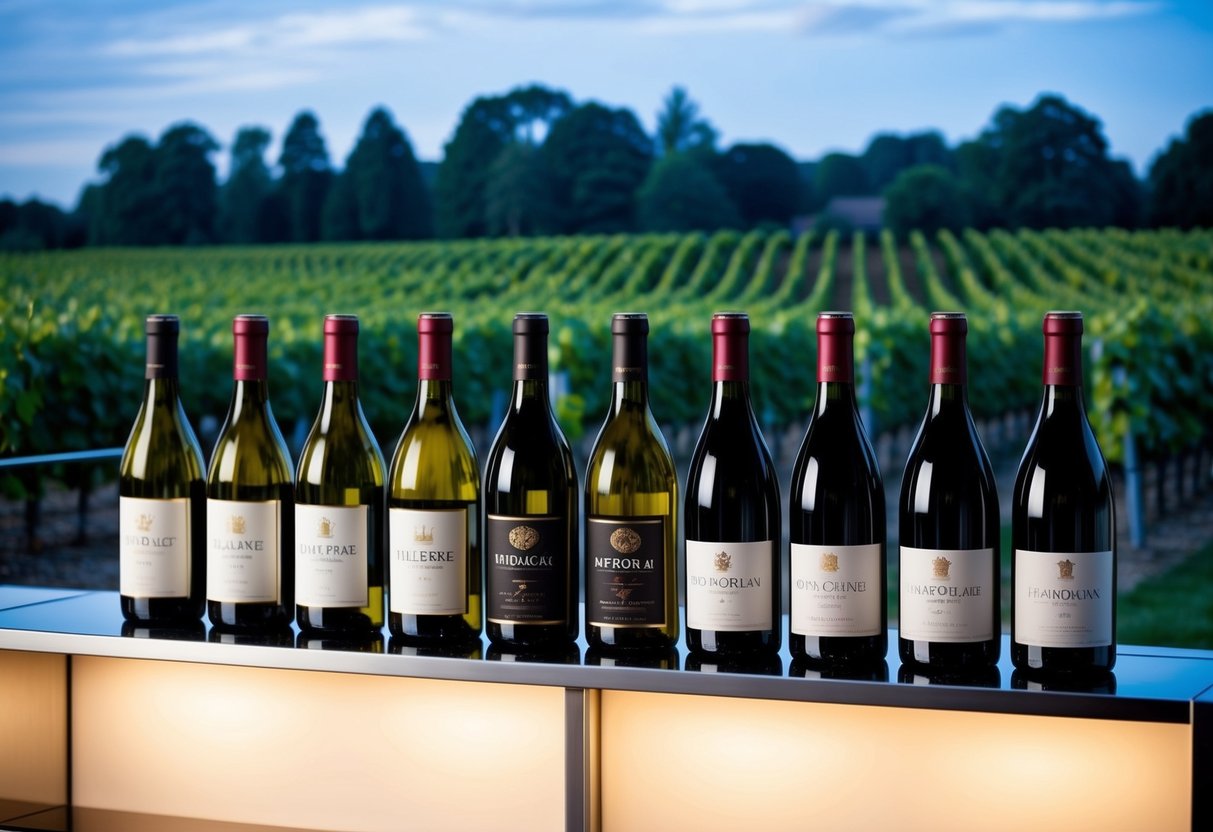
(836, 590)
(154, 549)
(729, 586)
(330, 556)
(947, 594)
(427, 574)
(242, 551)
(625, 571)
(1063, 599)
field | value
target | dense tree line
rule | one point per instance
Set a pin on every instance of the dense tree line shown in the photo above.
(534, 161)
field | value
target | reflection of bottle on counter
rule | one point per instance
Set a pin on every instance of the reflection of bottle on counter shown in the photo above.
(973, 677)
(859, 672)
(658, 659)
(760, 664)
(1093, 683)
(274, 637)
(350, 642)
(470, 648)
(186, 631)
(555, 654)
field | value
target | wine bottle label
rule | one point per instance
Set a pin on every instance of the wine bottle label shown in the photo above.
(625, 571)
(527, 579)
(946, 595)
(729, 586)
(154, 550)
(429, 564)
(836, 590)
(330, 556)
(1063, 599)
(242, 551)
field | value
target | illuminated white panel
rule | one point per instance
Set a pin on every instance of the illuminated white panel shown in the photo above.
(710, 763)
(316, 750)
(33, 727)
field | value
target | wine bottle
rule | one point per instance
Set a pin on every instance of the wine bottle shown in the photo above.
(631, 498)
(837, 522)
(339, 496)
(530, 503)
(434, 505)
(250, 567)
(1063, 526)
(734, 528)
(949, 528)
(161, 496)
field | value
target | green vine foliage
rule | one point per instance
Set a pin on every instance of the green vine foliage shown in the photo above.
(71, 324)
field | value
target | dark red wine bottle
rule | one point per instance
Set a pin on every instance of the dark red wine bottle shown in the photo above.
(950, 568)
(837, 521)
(1063, 526)
(732, 519)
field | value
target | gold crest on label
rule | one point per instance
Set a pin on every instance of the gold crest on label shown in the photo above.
(940, 566)
(420, 535)
(324, 528)
(1065, 569)
(829, 562)
(722, 562)
(625, 541)
(523, 537)
(143, 522)
(236, 524)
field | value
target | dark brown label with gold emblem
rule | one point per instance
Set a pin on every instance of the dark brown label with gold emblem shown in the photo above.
(528, 569)
(625, 571)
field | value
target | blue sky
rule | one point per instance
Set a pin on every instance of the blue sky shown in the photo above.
(808, 76)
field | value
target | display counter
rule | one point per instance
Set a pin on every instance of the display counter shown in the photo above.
(105, 726)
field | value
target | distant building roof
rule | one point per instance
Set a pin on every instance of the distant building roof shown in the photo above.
(865, 213)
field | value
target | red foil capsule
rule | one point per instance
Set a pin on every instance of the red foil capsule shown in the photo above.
(835, 347)
(251, 334)
(948, 330)
(434, 346)
(1063, 348)
(730, 346)
(341, 348)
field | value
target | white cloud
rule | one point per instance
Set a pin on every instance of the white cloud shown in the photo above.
(916, 17)
(48, 152)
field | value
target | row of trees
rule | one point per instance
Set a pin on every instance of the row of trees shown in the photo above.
(533, 161)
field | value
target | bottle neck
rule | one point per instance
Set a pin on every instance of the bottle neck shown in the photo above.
(836, 358)
(835, 371)
(730, 397)
(1063, 360)
(249, 396)
(339, 396)
(340, 359)
(434, 397)
(947, 398)
(1064, 398)
(529, 393)
(836, 395)
(161, 361)
(162, 391)
(630, 372)
(530, 371)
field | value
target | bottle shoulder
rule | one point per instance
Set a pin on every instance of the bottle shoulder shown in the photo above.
(836, 445)
(632, 439)
(1062, 458)
(161, 444)
(735, 453)
(948, 456)
(250, 449)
